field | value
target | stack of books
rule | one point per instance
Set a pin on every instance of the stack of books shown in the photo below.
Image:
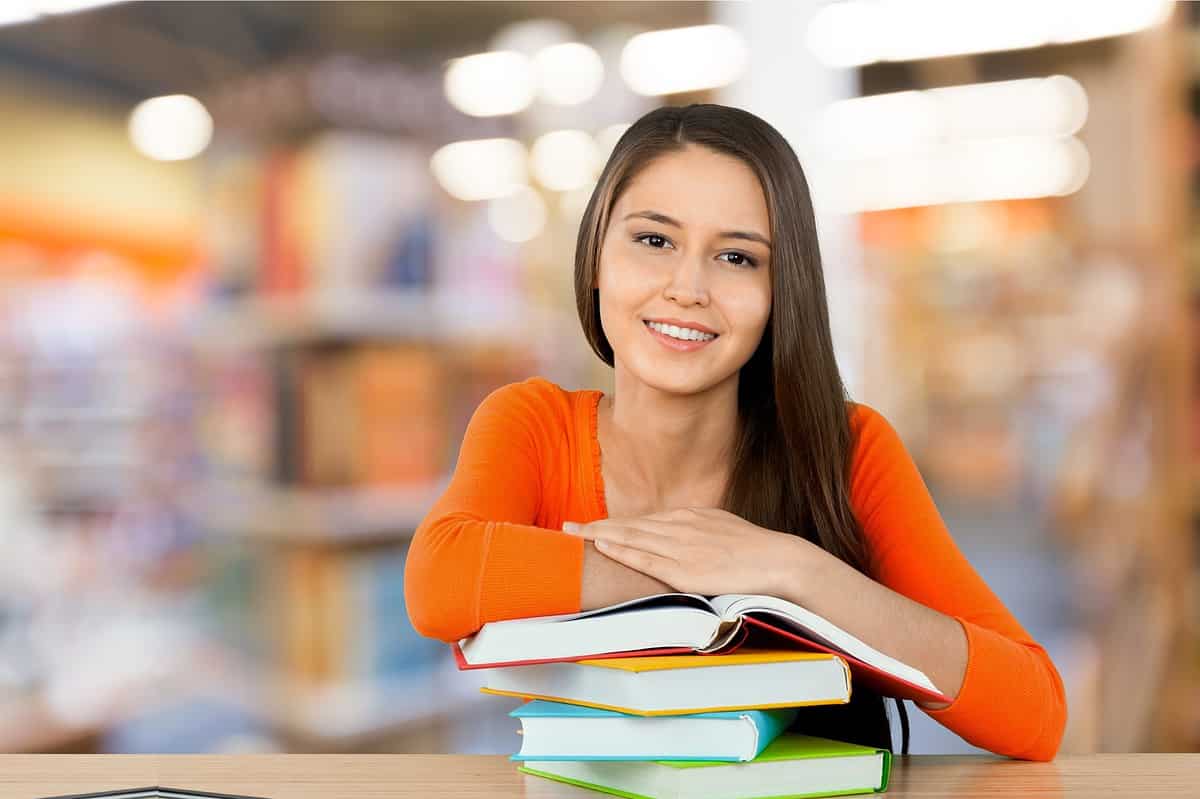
(663, 696)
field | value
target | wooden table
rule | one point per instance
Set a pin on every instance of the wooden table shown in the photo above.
(495, 777)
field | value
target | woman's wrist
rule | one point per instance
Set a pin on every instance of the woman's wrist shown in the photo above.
(606, 582)
(790, 570)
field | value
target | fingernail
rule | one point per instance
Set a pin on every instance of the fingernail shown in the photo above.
(601, 544)
(570, 527)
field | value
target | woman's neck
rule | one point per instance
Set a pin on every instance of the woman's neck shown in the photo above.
(673, 450)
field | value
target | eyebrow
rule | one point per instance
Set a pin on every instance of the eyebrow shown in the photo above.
(728, 234)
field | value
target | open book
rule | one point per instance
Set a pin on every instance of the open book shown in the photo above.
(676, 623)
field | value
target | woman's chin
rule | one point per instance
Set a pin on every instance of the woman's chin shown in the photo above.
(675, 380)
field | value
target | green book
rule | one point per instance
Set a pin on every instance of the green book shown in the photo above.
(791, 766)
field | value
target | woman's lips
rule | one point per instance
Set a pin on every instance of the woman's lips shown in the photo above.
(679, 345)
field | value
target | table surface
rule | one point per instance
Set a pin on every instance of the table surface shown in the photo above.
(495, 776)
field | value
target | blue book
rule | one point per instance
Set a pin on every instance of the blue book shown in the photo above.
(561, 731)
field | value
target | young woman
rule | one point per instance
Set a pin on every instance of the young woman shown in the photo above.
(728, 458)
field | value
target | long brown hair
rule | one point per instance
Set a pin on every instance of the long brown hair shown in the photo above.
(793, 450)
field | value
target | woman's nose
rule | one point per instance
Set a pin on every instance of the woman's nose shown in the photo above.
(689, 282)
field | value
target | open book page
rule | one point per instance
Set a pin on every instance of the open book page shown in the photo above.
(810, 625)
(638, 603)
(723, 638)
(654, 622)
(668, 600)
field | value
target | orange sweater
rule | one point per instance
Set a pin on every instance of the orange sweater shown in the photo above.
(491, 548)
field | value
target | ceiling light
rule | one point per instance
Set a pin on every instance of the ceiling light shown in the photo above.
(171, 128)
(683, 59)
(490, 84)
(480, 169)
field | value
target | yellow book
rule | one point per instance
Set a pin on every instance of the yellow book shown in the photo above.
(676, 684)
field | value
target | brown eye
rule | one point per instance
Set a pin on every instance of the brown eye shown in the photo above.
(650, 236)
(747, 261)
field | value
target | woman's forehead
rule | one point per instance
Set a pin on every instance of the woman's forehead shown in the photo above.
(705, 207)
(696, 167)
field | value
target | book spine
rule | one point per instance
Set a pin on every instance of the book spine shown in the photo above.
(769, 725)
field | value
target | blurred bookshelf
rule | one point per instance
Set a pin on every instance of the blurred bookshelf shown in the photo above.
(354, 319)
(1035, 355)
(409, 315)
(314, 516)
(97, 559)
(362, 716)
(231, 473)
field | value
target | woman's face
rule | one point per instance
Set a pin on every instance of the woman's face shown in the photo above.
(682, 244)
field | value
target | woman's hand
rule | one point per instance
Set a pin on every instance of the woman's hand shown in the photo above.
(705, 551)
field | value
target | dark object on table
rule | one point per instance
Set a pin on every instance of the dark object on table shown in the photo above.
(153, 792)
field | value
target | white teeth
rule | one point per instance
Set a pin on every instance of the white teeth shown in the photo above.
(683, 333)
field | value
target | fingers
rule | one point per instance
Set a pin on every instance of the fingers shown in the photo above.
(641, 537)
(581, 530)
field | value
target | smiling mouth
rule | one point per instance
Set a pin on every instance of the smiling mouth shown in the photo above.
(704, 338)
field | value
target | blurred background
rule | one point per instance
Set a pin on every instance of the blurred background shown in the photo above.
(261, 261)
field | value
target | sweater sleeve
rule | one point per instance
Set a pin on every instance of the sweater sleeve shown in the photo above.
(477, 556)
(1012, 700)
